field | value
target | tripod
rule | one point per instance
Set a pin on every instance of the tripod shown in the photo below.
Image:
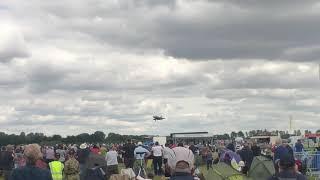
(141, 169)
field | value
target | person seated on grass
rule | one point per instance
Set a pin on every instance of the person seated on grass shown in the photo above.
(287, 169)
(128, 171)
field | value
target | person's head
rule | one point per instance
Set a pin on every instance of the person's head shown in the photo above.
(299, 141)
(71, 153)
(156, 143)
(254, 143)
(32, 153)
(286, 162)
(57, 156)
(180, 144)
(167, 145)
(181, 160)
(10, 148)
(278, 141)
(60, 146)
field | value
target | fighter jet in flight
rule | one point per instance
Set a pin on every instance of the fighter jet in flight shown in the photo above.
(158, 118)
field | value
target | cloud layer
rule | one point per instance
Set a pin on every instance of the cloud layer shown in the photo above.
(76, 66)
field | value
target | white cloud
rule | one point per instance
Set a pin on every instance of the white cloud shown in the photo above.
(12, 43)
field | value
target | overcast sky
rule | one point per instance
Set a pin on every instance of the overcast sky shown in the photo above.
(76, 66)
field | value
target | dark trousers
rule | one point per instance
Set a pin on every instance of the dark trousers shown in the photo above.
(112, 169)
(209, 163)
(6, 174)
(157, 165)
(128, 161)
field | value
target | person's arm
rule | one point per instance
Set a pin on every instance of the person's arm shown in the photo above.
(148, 153)
(135, 153)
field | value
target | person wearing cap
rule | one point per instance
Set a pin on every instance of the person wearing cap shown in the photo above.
(82, 156)
(287, 169)
(56, 168)
(140, 153)
(30, 172)
(181, 162)
(72, 168)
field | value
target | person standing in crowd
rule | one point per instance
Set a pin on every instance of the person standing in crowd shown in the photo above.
(56, 168)
(32, 153)
(166, 153)
(231, 147)
(17, 156)
(279, 151)
(247, 157)
(298, 147)
(215, 156)
(128, 153)
(62, 153)
(103, 150)
(157, 152)
(204, 152)
(112, 161)
(49, 154)
(83, 154)
(209, 159)
(287, 145)
(181, 163)
(255, 149)
(140, 153)
(72, 169)
(95, 149)
(287, 169)
(6, 161)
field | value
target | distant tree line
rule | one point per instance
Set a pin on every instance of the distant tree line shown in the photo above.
(101, 137)
(40, 138)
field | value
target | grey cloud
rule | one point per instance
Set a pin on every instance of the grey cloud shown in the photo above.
(111, 65)
(247, 32)
(210, 30)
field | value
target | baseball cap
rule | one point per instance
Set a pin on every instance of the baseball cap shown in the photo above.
(181, 155)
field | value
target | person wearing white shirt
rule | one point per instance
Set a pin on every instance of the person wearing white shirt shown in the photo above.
(157, 152)
(112, 161)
